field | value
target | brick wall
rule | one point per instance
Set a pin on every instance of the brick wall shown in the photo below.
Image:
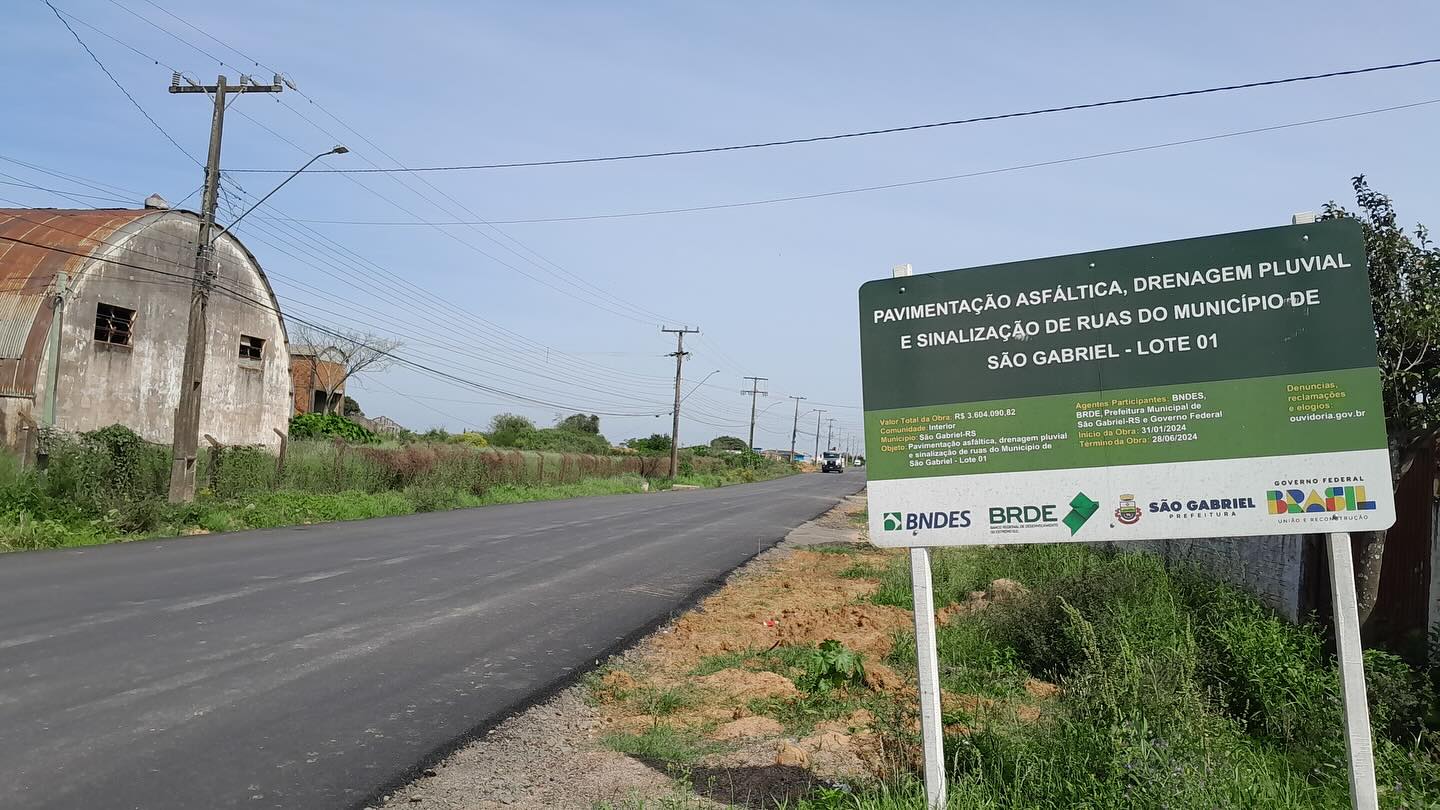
(308, 375)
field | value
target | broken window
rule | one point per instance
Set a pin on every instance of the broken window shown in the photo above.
(112, 324)
(251, 348)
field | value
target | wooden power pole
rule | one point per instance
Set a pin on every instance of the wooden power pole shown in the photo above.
(754, 391)
(192, 373)
(794, 427)
(679, 354)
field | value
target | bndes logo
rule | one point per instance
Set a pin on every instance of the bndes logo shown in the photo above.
(915, 521)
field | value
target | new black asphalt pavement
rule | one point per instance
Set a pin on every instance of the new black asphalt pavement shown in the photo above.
(312, 667)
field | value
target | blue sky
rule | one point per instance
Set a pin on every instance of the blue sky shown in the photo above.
(772, 286)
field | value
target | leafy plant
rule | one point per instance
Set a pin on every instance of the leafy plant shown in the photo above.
(329, 425)
(830, 666)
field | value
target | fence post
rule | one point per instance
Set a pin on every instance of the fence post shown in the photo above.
(280, 459)
(540, 467)
(214, 472)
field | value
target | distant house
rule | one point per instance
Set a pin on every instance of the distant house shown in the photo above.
(784, 455)
(93, 312)
(317, 375)
(383, 425)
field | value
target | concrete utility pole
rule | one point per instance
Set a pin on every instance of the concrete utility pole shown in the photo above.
(795, 426)
(679, 354)
(754, 391)
(192, 374)
(829, 434)
(819, 412)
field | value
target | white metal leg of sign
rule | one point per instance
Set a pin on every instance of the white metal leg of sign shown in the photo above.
(928, 665)
(1358, 742)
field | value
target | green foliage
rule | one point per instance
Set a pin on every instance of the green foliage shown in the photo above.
(349, 407)
(580, 423)
(1176, 691)
(829, 666)
(1405, 290)
(506, 428)
(729, 443)
(470, 439)
(655, 444)
(328, 425)
(560, 440)
(662, 743)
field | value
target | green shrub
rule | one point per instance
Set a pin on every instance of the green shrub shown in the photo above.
(329, 425)
(471, 439)
(830, 666)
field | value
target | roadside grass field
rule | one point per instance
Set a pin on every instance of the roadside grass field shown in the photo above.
(1071, 677)
(110, 486)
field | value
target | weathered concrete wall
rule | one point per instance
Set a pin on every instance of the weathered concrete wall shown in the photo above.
(139, 385)
(1271, 568)
(13, 414)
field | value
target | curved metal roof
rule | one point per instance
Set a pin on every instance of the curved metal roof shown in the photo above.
(27, 269)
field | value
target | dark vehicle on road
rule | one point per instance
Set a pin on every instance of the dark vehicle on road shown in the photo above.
(832, 461)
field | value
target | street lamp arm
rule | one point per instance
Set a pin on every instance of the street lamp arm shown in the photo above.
(339, 150)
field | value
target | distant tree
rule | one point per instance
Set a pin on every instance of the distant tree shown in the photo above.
(1405, 288)
(655, 444)
(580, 423)
(729, 443)
(354, 352)
(507, 429)
(351, 408)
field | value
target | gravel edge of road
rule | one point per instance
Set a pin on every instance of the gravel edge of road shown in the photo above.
(569, 690)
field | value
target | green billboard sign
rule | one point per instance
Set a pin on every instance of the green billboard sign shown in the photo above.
(1219, 386)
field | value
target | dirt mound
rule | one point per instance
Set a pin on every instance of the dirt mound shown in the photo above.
(1000, 592)
(882, 678)
(746, 686)
(1041, 689)
(748, 727)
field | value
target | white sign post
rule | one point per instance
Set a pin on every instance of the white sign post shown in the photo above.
(1358, 742)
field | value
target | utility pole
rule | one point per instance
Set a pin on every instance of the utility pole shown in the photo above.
(794, 427)
(829, 434)
(679, 354)
(754, 392)
(818, 413)
(192, 374)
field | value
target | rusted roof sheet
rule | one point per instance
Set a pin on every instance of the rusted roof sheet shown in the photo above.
(17, 315)
(28, 269)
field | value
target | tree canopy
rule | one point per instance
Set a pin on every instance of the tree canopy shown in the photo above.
(580, 423)
(729, 443)
(1405, 289)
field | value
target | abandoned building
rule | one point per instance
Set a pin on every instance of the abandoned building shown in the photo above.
(317, 375)
(93, 313)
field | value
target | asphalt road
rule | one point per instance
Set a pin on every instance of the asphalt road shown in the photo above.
(311, 667)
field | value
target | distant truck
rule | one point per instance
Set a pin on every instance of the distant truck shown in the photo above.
(832, 461)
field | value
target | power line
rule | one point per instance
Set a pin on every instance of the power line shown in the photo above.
(120, 86)
(401, 360)
(890, 130)
(902, 184)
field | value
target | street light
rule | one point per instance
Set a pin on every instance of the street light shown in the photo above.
(338, 150)
(697, 385)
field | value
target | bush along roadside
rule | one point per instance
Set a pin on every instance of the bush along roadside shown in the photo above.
(1172, 691)
(109, 485)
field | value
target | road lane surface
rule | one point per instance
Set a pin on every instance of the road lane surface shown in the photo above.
(310, 667)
